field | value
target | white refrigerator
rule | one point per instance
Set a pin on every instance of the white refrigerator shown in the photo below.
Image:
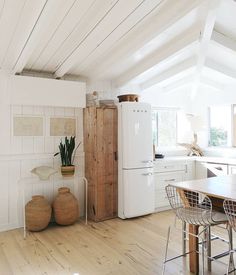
(135, 160)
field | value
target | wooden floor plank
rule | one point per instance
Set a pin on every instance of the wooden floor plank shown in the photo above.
(119, 247)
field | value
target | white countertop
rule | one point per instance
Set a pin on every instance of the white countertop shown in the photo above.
(174, 159)
(222, 160)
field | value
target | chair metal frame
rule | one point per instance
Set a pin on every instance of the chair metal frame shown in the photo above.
(194, 208)
(230, 211)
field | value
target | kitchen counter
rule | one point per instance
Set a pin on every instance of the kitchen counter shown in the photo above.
(174, 159)
(222, 160)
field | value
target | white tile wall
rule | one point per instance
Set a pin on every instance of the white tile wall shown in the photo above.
(29, 152)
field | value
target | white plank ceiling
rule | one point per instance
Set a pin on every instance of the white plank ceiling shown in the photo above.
(143, 42)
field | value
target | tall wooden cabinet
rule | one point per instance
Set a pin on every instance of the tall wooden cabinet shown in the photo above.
(101, 167)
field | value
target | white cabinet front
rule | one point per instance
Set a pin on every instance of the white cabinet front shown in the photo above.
(161, 180)
(138, 192)
(232, 169)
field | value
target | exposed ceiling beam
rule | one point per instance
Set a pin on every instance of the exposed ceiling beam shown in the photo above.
(179, 44)
(208, 11)
(35, 34)
(153, 25)
(220, 69)
(223, 41)
(179, 69)
(188, 80)
(178, 84)
(212, 83)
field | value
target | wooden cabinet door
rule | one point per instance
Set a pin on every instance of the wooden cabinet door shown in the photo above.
(101, 167)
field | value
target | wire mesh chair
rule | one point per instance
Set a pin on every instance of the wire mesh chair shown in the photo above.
(230, 211)
(196, 209)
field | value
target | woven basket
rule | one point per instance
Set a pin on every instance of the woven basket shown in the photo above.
(65, 207)
(37, 213)
(128, 97)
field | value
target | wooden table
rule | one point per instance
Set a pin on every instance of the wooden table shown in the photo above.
(218, 189)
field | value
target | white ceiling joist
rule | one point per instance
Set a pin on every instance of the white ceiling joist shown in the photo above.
(179, 69)
(208, 11)
(161, 19)
(223, 41)
(35, 35)
(178, 84)
(221, 69)
(212, 83)
(175, 47)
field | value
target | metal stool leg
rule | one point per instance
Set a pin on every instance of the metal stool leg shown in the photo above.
(208, 240)
(203, 255)
(184, 238)
(231, 257)
(167, 244)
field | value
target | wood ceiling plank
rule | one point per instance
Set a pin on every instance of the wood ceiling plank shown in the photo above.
(27, 18)
(44, 18)
(144, 35)
(10, 14)
(103, 29)
(144, 10)
(62, 10)
(2, 6)
(72, 29)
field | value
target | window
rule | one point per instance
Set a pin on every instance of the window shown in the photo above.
(220, 124)
(164, 125)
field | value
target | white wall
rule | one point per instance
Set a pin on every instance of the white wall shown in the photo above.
(196, 104)
(19, 155)
(157, 97)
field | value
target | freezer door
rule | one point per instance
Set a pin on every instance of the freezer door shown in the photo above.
(137, 148)
(139, 193)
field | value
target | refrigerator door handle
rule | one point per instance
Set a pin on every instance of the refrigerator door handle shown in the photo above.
(147, 174)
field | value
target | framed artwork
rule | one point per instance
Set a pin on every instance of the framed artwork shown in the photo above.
(62, 126)
(27, 126)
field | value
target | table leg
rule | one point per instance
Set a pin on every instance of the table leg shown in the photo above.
(193, 246)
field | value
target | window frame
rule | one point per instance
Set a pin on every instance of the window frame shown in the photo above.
(170, 147)
(232, 138)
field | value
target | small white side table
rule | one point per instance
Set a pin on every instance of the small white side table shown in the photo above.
(24, 182)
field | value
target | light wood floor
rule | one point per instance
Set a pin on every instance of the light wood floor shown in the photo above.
(112, 247)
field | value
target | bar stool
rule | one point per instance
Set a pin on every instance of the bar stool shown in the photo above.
(230, 211)
(193, 208)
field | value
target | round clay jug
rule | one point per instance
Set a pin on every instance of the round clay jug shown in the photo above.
(65, 207)
(37, 213)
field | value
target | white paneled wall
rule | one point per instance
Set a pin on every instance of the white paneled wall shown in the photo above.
(29, 152)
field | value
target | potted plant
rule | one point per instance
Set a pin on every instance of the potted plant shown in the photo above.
(67, 152)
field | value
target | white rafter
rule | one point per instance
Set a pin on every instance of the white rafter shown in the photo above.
(220, 69)
(175, 47)
(178, 84)
(212, 83)
(208, 10)
(181, 68)
(223, 41)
